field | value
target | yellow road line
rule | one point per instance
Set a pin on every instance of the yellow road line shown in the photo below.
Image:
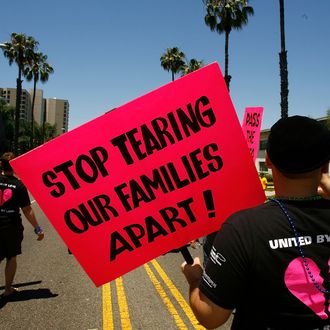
(177, 295)
(123, 307)
(178, 321)
(107, 307)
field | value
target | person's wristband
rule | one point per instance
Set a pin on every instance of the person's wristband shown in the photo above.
(38, 230)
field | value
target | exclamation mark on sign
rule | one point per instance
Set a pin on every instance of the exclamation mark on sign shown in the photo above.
(209, 203)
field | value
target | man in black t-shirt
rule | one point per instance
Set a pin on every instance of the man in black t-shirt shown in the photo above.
(272, 263)
(13, 197)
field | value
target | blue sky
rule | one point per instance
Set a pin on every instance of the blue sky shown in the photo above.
(106, 53)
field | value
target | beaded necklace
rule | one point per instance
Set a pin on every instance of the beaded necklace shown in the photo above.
(296, 235)
(309, 198)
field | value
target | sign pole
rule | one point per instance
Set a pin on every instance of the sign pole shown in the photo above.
(186, 255)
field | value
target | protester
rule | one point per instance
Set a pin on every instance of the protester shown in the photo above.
(271, 263)
(13, 197)
(263, 180)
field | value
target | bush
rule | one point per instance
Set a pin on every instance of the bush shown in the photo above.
(269, 177)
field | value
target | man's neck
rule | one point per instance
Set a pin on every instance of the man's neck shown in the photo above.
(295, 188)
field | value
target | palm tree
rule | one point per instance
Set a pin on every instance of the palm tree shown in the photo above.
(19, 50)
(43, 133)
(191, 66)
(283, 67)
(173, 60)
(224, 15)
(37, 69)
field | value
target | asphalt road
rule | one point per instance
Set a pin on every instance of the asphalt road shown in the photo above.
(55, 293)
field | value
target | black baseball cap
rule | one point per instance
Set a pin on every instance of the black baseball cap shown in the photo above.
(298, 144)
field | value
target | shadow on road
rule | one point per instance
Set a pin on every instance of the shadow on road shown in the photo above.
(18, 285)
(27, 295)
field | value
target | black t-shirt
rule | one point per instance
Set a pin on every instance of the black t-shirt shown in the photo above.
(256, 267)
(13, 196)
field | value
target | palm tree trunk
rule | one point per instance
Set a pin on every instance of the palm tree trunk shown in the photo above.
(172, 75)
(44, 125)
(227, 76)
(17, 110)
(283, 67)
(32, 113)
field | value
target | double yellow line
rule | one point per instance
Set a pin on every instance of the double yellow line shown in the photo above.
(108, 323)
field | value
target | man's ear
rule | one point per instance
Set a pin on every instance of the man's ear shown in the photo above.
(268, 162)
(325, 168)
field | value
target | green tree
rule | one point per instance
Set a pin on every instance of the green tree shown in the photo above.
(191, 66)
(47, 132)
(283, 67)
(43, 133)
(37, 69)
(7, 114)
(19, 49)
(173, 60)
(223, 16)
(24, 137)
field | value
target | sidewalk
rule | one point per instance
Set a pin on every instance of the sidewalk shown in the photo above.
(269, 193)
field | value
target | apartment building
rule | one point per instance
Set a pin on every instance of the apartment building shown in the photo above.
(57, 112)
(9, 95)
(54, 111)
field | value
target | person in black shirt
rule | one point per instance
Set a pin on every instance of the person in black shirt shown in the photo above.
(13, 197)
(271, 263)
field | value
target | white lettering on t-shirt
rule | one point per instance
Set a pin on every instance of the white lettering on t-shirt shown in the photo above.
(289, 242)
(326, 327)
(323, 238)
(216, 257)
(7, 185)
(208, 281)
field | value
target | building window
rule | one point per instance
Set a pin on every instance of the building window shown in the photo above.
(263, 167)
(263, 145)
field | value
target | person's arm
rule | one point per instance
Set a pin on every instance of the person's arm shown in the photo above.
(207, 313)
(30, 216)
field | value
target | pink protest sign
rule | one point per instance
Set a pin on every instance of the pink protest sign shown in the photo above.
(147, 177)
(251, 128)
